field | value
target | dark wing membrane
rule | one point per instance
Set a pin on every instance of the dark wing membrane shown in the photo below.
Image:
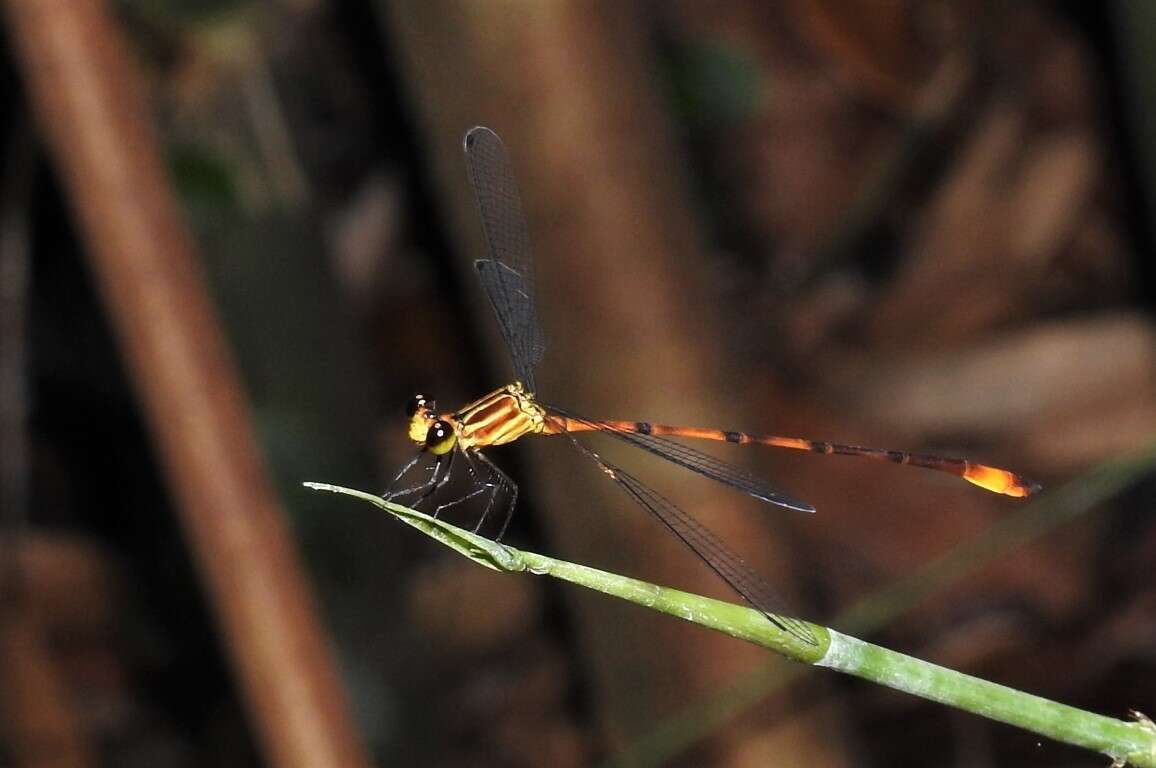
(696, 461)
(511, 297)
(703, 542)
(506, 277)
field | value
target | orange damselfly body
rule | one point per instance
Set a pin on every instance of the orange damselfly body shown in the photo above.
(514, 411)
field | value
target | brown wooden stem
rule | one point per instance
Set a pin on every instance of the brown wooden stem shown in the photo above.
(95, 120)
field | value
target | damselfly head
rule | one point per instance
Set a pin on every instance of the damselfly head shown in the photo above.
(421, 412)
(419, 403)
(440, 438)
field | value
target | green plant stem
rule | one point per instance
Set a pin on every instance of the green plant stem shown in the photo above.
(676, 732)
(738, 621)
(1132, 742)
(1123, 741)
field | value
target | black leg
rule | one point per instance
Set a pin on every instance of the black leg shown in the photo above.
(389, 493)
(503, 482)
(448, 461)
(479, 490)
(471, 468)
(509, 511)
(422, 487)
(480, 485)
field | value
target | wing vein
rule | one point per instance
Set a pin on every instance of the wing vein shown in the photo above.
(507, 276)
(730, 567)
(696, 461)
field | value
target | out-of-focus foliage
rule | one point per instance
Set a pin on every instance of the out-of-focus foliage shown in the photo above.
(912, 224)
(715, 84)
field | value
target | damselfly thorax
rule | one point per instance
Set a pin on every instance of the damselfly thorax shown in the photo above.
(500, 417)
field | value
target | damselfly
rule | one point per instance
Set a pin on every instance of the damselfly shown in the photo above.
(514, 411)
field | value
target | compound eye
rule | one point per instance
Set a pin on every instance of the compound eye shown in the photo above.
(417, 403)
(441, 438)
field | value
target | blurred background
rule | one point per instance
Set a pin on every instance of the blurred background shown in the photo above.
(237, 237)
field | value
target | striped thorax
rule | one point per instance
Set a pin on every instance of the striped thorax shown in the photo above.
(498, 418)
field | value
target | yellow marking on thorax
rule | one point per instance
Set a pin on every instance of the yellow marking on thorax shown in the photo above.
(419, 425)
(498, 418)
